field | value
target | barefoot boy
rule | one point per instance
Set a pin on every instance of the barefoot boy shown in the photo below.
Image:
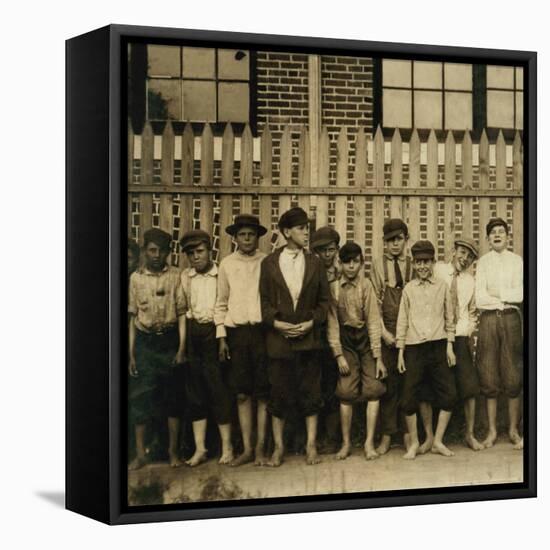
(462, 286)
(206, 389)
(389, 274)
(240, 334)
(156, 308)
(324, 243)
(295, 299)
(425, 336)
(354, 335)
(499, 295)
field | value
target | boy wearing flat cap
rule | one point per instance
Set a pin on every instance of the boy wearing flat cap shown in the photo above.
(425, 336)
(354, 329)
(206, 387)
(240, 334)
(462, 287)
(499, 297)
(156, 308)
(295, 299)
(325, 243)
(389, 274)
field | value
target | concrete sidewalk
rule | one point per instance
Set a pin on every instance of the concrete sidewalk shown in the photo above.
(160, 484)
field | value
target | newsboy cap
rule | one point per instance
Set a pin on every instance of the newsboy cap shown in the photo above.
(158, 237)
(494, 223)
(393, 227)
(423, 250)
(293, 217)
(324, 236)
(245, 220)
(468, 243)
(194, 238)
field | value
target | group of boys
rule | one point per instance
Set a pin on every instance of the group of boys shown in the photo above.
(304, 330)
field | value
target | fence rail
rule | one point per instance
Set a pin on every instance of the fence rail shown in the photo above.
(440, 189)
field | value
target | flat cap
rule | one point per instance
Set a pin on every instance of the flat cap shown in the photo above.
(468, 243)
(245, 220)
(293, 217)
(158, 237)
(494, 223)
(324, 236)
(423, 250)
(194, 238)
(393, 227)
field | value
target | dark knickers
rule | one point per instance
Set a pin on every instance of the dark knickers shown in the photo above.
(390, 411)
(466, 375)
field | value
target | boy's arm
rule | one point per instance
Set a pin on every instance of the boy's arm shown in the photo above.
(182, 324)
(450, 327)
(483, 299)
(222, 299)
(333, 329)
(269, 312)
(377, 280)
(319, 313)
(402, 320)
(372, 315)
(514, 294)
(132, 346)
(472, 315)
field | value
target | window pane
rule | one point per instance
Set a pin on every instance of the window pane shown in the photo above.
(199, 101)
(458, 76)
(396, 73)
(428, 110)
(233, 102)
(233, 64)
(163, 99)
(163, 60)
(519, 110)
(500, 77)
(397, 108)
(458, 111)
(198, 62)
(519, 78)
(427, 75)
(500, 109)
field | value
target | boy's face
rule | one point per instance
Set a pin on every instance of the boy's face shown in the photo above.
(463, 258)
(396, 245)
(327, 253)
(247, 239)
(199, 258)
(155, 257)
(352, 266)
(498, 238)
(423, 268)
(299, 235)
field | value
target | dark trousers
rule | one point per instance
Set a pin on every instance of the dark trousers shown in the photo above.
(466, 375)
(427, 363)
(389, 402)
(206, 387)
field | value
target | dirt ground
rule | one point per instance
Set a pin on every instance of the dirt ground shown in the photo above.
(160, 484)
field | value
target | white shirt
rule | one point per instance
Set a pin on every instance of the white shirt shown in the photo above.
(293, 266)
(465, 289)
(499, 280)
(200, 291)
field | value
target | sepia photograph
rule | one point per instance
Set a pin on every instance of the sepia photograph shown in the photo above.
(325, 279)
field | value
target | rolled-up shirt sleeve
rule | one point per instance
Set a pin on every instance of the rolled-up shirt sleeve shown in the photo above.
(333, 329)
(181, 300)
(222, 300)
(402, 320)
(132, 296)
(372, 314)
(450, 326)
(514, 293)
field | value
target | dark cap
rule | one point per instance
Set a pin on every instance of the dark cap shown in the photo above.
(423, 250)
(349, 251)
(494, 223)
(468, 243)
(293, 217)
(158, 237)
(324, 236)
(393, 227)
(194, 238)
(245, 220)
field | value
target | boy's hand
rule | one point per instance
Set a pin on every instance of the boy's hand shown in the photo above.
(388, 337)
(132, 369)
(303, 328)
(401, 362)
(179, 359)
(223, 350)
(343, 367)
(451, 357)
(381, 370)
(286, 329)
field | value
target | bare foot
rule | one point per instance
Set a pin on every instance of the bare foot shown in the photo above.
(411, 451)
(227, 457)
(406, 441)
(489, 441)
(198, 458)
(261, 459)
(473, 443)
(514, 437)
(370, 452)
(311, 455)
(440, 449)
(384, 446)
(276, 458)
(519, 445)
(426, 446)
(174, 460)
(344, 452)
(138, 463)
(243, 458)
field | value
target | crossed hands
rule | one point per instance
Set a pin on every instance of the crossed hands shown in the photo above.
(290, 330)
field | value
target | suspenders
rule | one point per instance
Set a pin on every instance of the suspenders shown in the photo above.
(407, 270)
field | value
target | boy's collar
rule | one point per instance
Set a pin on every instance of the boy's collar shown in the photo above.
(345, 281)
(420, 281)
(213, 271)
(145, 270)
(390, 256)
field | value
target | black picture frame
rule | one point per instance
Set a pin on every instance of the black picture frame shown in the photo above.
(96, 284)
